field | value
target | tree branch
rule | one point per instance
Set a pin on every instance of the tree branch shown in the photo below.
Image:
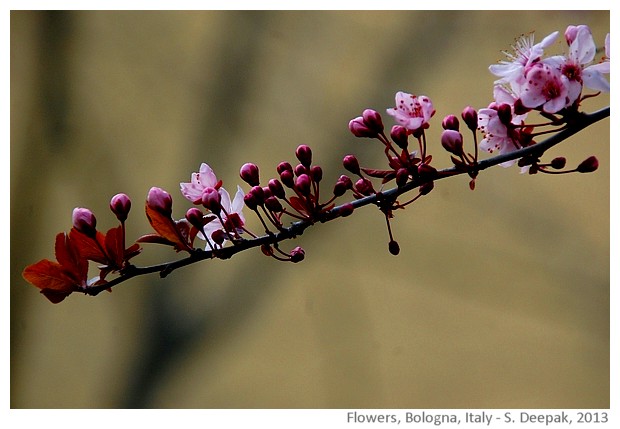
(297, 228)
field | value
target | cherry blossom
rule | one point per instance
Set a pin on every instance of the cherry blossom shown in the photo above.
(412, 112)
(204, 178)
(593, 75)
(545, 87)
(525, 54)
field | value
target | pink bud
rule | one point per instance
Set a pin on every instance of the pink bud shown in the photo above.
(316, 173)
(351, 164)
(249, 173)
(342, 185)
(211, 200)
(297, 254)
(273, 204)
(452, 141)
(360, 129)
(302, 184)
(470, 116)
(84, 221)
(394, 247)
(284, 166)
(250, 201)
(194, 216)
(372, 119)
(589, 165)
(304, 155)
(364, 187)
(276, 188)
(450, 122)
(120, 204)
(558, 163)
(288, 179)
(300, 169)
(159, 200)
(504, 113)
(399, 135)
(259, 195)
(219, 236)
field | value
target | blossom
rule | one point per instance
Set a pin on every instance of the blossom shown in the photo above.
(593, 75)
(231, 215)
(545, 87)
(525, 54)
(412, 112)
(204, 178)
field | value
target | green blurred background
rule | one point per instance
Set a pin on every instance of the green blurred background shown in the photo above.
(499, 298)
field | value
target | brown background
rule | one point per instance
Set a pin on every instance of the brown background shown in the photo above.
(499, 298)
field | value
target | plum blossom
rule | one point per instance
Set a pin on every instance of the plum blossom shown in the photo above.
(412, 112)
(497, 136)
(545, 87)
(203, 179)
(592, 75)
(525, 54)
(581, 53)
(231, 215)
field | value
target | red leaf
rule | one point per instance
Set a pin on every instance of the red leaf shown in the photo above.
(154, 238)
(167, 228)
(115, 247)
(132, 251)
(377, 173)
(49, 275)
(55, 296)
(67, 255)
(297, 204)
(88, 247)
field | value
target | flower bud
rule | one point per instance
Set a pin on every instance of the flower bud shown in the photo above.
(249, 173)
(399, 135)
(160, 201)
(316, 173)
(452, 141)
(273, 204)
(120, 204)
(288, 178)
(558, 163)
(194, 216)
(372, 119)
(284, 166)
(300, 169)
(276, 188)
(351, 164)
(588, 166)
(259, 195)
(304, 155)
(84, 221)
(219, 236)
(250, 201)
(450, 122)
(211, 200)
(342, 184)
(297, 254)
(302, 184)
(470, 116)
(364, 187)
(394, 247)
(504, 113)
(360, 129)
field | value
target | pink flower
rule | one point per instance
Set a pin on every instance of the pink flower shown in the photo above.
(581, 52)
(525, 54)
(231, 214)
(412, 112)
(593, 75)
(205, 178)
(544, 87)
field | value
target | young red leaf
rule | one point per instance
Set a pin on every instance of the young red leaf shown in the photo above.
(115, 247)
(88, 247)
(167, 228)
(53, 280)
(68, 257)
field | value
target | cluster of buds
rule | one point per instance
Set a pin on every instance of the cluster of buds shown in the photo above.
(84, 243)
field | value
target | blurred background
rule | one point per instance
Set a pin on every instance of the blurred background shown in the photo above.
(498, 299)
